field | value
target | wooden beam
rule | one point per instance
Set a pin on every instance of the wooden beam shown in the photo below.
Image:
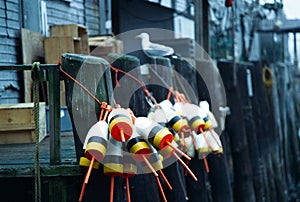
(202, 24)
(54, 106)
(20, 171)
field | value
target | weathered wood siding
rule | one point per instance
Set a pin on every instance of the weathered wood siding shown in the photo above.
(9, 31)
(10, 50)
(84, 12)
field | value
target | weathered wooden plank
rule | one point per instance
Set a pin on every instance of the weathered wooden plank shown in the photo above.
(8, 58)
(22, 171)
(12, 15)
(12, 6)
(243, 185)
(245, 80)
(32, 51)
(12, 155)
(7, 49)
(10, 42)
(13, 24)
(129, 92)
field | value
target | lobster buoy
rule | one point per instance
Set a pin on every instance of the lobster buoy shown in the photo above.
(205, 107)
(120, 124)
(95, 150)
(158, 116)
(112, 163)
(173, 120)
(215, 142)
(201, 145)
(96, 141)
(198, 120)
(156, 134)
(137, 146)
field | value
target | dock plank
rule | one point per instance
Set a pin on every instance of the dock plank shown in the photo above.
(17, 160)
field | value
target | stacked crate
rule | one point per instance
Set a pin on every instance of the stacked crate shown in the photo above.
(70, 38)
(17, 123)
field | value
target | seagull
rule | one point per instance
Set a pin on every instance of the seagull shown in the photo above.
(154, 49)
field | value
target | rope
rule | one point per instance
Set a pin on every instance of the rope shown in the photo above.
(37, 173)
(80, 85)
(141, 83)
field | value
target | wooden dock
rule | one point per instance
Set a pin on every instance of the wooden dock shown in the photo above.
(17, 167)
(17, 160)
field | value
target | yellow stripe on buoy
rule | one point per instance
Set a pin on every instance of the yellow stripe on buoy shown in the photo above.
(139, 146)
(160, 135)
(86, 163)
(96, 149)
(207, 125)
(180, 124)
(113, 168)
(197, 123)
(203, 150)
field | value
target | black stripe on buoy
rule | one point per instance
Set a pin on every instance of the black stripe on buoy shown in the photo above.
(117, 116)
(98, 139)
(154, 132)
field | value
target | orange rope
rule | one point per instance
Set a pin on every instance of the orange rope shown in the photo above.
(169, 93)
(116, 78)
(142, 84)
(80, 85)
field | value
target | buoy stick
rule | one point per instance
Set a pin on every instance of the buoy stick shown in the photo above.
(165, 179)
(185, 166)
(86, 179)
(194, 142)
(208, 144)
(105, 115)
(212, 134)
(82, 192)
(179, 151)
(182, 139)
(149, 165)
(156, 177)
(128, 190)
(206, 164)
(122, 135)
(112, 187)
(161, 189)
(101, 115)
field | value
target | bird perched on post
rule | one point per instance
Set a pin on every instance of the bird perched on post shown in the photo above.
(154, 49)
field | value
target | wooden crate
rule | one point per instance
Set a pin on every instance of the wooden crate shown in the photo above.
(56, 46)
(17, 123)
(70, 38)
(75, 31)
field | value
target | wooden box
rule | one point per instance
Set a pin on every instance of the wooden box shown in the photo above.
(17, 123)
(77, 32)
(56, 46)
